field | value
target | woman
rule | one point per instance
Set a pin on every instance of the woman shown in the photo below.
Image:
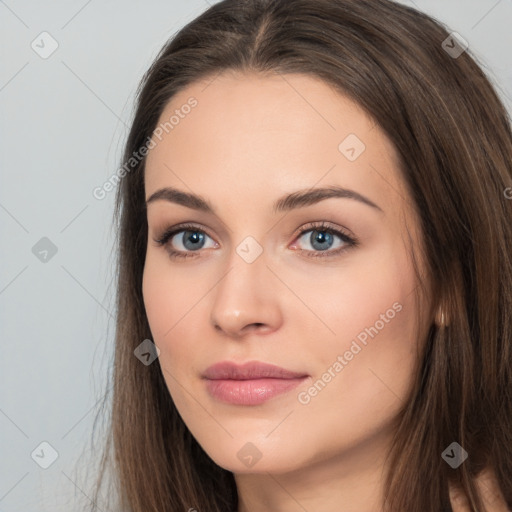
(315, 282)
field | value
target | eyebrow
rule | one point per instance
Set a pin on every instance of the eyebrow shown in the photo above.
(297, 199)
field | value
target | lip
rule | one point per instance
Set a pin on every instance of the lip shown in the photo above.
(252, 383)
(249, 370)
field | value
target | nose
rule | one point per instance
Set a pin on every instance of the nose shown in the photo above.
(245, 300)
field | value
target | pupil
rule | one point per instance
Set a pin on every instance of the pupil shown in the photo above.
(322, 237)
(194, 236)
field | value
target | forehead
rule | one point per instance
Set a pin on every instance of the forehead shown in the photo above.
(264, 135)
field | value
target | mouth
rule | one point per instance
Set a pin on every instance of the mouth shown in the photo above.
(250, 391)
(250, 384)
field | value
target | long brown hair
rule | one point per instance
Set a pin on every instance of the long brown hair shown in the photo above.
(453, 136)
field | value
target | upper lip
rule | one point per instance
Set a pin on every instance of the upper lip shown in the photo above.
(248, 371)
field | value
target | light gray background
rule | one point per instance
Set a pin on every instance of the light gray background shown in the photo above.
(63, 122)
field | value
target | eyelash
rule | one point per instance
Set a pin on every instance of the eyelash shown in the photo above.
(322, 227)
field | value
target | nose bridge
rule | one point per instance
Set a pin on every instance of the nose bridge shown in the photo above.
(244, 295)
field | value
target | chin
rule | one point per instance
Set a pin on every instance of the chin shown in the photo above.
(243, 457)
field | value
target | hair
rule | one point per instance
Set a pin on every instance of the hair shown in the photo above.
(453, 137)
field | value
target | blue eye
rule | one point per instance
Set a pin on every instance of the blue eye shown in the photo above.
(321, 239)
(192, 239)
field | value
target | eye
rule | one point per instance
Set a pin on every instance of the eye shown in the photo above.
(192, 240)
(322, 238)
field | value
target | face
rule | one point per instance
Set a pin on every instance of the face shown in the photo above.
(321, 285)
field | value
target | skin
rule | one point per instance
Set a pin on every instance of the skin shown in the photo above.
(251, 139)
(489, 490)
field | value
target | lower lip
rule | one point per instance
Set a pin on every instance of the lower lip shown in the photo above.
(250, 392)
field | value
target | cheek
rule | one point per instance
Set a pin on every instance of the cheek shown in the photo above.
(362, 377)
(168, 295)
(370, 309)
(371, 291)
(168, 302)
(157, 296)
(174, 300)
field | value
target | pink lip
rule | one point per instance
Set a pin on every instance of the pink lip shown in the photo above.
(251, 383)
